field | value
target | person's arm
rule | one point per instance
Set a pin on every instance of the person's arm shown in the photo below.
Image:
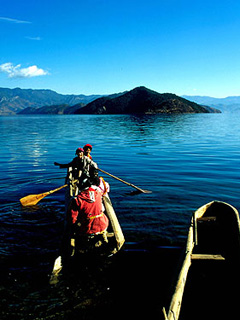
(104, 186)
(61, 166)
(74, 211)
(91, 163)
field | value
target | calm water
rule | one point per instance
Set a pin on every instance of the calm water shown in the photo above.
(186, 160)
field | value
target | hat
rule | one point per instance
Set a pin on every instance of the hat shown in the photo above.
(79, 150)
(87, 146)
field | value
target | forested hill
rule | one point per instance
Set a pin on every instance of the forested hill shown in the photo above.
(145, 101)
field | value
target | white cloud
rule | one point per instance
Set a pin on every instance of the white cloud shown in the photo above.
(18, 72)
(13, 20)
(34, 38)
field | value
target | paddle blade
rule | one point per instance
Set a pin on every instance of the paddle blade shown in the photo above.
(32, 199)
(133, 193)
(147, 191)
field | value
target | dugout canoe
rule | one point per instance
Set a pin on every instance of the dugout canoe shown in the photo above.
(210, 270)
(70, 249)
(114, 226)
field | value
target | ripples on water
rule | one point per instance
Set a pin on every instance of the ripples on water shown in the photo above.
(186, 160)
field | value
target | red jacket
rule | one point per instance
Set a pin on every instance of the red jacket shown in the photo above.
(87, 209)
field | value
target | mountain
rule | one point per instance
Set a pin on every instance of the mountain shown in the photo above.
(144, 101)
(228, 104)
(15, 100)
(138, 100)
(60, 109)
(53, 109)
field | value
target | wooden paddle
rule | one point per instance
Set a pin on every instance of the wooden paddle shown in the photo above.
(33, 199)
(129, 184)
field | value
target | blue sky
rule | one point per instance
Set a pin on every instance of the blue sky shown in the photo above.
(107, 46)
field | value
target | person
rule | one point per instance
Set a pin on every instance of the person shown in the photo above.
(86, 216)
(81, 165)
(87, 150)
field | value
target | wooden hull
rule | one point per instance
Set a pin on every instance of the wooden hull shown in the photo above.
(213, 252)
(109, 211)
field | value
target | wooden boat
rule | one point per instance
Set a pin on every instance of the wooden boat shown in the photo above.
(115, 228)
(208, 289)
(70, 248)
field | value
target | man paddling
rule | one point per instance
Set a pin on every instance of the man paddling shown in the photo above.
(81, 164)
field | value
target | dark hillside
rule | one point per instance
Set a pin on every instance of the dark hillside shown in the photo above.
(142, 100)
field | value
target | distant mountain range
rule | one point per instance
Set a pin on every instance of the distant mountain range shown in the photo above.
(139, 100)
(228, 104)
(13, 101)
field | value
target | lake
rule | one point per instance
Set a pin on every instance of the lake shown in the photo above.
(185, 160)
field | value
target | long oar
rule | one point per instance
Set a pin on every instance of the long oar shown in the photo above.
(33, 199)
(129, 184)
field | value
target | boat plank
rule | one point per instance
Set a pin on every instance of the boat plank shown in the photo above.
(207, 257)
